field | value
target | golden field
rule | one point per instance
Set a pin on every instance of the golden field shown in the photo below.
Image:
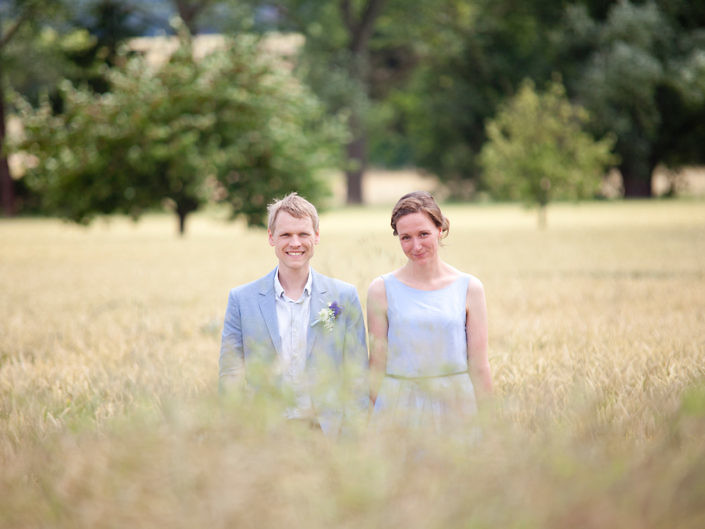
(109, 416)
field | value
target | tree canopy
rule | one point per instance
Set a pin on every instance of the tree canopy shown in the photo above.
(475, 57)
(637, 66)
(538, 149)
(336, 64)
(416, 81)
(30, 56)
(642, 76)
(233, 126)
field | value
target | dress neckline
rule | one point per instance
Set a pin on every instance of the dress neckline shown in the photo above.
(391, 274)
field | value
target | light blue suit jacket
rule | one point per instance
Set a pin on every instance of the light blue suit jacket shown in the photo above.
(336, 360)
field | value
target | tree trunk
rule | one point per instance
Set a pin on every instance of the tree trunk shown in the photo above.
(356, 158)
(7, 186)
(189, 10)
(360, 28)
(636, 179)
(184, 206)
(182, 222)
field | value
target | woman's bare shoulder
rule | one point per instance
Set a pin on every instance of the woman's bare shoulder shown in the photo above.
(376, 289)
(476, 291)
(474, 283)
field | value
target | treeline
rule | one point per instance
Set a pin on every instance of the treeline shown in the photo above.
(528, 100)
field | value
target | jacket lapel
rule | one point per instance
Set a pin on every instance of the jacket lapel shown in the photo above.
(318, 302)
(267, 305)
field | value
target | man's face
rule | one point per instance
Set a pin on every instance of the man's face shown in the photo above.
(293, 240)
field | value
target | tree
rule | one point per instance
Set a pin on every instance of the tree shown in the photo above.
(43, 41)
(337, 65)
(476, 55)
(643, 78)
(233, 126)
(636, 66)
(110, 23)
(538, 150)
(189, 11)
(20, 42)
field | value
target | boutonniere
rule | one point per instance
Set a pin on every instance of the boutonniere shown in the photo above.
(328, 315)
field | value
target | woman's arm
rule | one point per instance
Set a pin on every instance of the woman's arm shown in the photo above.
(377, 327)
(476, 325)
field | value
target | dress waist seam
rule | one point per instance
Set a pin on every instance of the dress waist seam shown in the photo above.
(401, 377)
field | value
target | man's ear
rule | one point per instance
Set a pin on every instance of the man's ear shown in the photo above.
(270, 237)
(316, 238)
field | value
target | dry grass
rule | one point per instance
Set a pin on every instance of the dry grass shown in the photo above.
(108, 366)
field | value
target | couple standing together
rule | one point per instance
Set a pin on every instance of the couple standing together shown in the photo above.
(304, 332)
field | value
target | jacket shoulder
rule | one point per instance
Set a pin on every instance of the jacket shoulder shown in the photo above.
(253, 287)
(333, 283)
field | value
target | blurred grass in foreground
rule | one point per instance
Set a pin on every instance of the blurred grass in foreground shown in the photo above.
(108, 367)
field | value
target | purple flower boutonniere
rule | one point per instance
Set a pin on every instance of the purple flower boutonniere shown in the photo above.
(328, 315)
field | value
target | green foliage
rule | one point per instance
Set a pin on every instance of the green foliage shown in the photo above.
(234, 127)
(538, 151)
(110, 23)
(636, 66)
(32, 49)
(475, 56)
(642, 78)
(355, 54)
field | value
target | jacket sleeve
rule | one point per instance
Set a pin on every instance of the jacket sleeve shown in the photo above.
(232, 361)
(356, 358)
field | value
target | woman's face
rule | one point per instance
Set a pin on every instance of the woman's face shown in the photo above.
(419, 237)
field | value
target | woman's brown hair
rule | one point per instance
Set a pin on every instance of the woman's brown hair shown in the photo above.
(420, 202)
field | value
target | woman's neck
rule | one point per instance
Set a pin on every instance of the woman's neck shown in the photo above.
(427, 275)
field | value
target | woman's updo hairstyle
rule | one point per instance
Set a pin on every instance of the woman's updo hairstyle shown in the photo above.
(420, 202)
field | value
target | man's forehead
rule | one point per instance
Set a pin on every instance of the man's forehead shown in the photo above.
(286, 221)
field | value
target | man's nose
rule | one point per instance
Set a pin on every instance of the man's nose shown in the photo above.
(295, 240)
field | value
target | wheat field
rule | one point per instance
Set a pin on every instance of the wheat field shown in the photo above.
(109, 414)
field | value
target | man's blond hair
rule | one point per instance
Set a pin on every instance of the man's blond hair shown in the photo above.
(294, 205)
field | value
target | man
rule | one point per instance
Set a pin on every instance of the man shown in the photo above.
(297, 329)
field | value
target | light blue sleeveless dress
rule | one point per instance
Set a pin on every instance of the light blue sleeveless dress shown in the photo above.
(427, 382)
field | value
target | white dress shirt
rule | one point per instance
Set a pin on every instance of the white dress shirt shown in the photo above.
(293, 321)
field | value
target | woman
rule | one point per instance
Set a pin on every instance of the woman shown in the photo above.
(427, 323)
